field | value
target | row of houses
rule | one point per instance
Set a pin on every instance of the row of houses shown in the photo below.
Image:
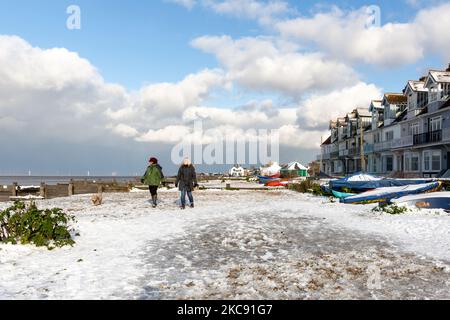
(292, 169)
(403, 134)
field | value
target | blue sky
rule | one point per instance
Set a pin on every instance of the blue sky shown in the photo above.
(136, 42)
(228, 62)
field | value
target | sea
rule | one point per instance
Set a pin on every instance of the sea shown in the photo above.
(54, 180)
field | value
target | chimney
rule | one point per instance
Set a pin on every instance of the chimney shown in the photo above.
(448, 69)
(422, 79)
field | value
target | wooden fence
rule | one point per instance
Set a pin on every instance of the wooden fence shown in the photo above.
(47, 191)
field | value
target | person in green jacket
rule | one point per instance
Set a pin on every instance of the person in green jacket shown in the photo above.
(153, 177)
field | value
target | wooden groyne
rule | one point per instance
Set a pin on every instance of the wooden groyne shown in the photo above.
(48, 191)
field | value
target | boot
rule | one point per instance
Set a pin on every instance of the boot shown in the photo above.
(192, 205)
(154, 200)
(182, 207)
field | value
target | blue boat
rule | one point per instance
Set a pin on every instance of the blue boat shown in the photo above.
(387, 194)
(264, 180)
(341, 195)
(364, 182)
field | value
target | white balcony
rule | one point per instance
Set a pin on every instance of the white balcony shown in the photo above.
(382, 146)
(406, 141)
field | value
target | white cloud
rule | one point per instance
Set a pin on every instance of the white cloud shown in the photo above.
(315, 112)
(268, 64)
(74, 103)
(345, 35)
(170, 99)
(170, 134)
(263, 11)
(125, 130)
(189, 4)
(53, 92)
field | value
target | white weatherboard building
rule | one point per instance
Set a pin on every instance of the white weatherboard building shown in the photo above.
(408, 133)
(237, 171)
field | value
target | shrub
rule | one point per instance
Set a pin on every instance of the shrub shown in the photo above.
(390, 209)
(26, 224)
(308, 186)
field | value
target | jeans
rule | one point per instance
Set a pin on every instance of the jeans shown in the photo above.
(183, 197)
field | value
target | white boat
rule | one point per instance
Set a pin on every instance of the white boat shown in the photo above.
(435, 200)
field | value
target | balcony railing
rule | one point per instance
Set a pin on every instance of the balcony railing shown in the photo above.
(382, 146)
(368, 148)
(324, 156)
(354, 151)
(334, 155)
(428, 137)
(406, 141)
(343, 153)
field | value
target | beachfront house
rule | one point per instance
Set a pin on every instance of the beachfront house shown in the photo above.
(408, 134)
(237, 171)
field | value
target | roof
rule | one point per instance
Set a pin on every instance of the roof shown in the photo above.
(363, 112)
(440, 76)
(416, 86)
(295, 166)
(327, 141)
(375, 104)
(395, 98)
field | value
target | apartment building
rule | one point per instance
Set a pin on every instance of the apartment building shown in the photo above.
(403, 134)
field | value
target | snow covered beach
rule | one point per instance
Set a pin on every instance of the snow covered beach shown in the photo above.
(235, 245)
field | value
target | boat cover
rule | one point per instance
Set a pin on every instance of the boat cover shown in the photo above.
(389, 193)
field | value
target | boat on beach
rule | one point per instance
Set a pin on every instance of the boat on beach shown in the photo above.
(389, 193)
(365, 182)
(435, 200)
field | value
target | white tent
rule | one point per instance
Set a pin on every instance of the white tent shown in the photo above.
(295, 166)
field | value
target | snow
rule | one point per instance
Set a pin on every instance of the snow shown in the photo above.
(363, 177)
(296, 166)
(273, 169)
(235, 244)
(28, 197)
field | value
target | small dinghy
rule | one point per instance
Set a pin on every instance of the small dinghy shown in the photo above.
(264, 179)
(435, 200)
(341, 195)
(277, 184)
(389, 193)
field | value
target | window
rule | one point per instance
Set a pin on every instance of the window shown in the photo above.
(436, 123)
(432, 160)
(426, 161)
(389, 163)
(411, 161)
(414, 129)
(389, 135)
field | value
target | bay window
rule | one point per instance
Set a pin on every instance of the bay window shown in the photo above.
(412, 161)
(432, 160)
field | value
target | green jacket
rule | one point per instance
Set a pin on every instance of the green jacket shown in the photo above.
(152, 176)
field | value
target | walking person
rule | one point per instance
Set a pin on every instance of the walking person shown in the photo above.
(186, 182)
(153, 177)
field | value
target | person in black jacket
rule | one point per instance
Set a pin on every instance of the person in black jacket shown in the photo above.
(186, 182)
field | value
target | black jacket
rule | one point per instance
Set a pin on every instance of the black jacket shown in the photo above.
(186, 178)
(160, 170)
